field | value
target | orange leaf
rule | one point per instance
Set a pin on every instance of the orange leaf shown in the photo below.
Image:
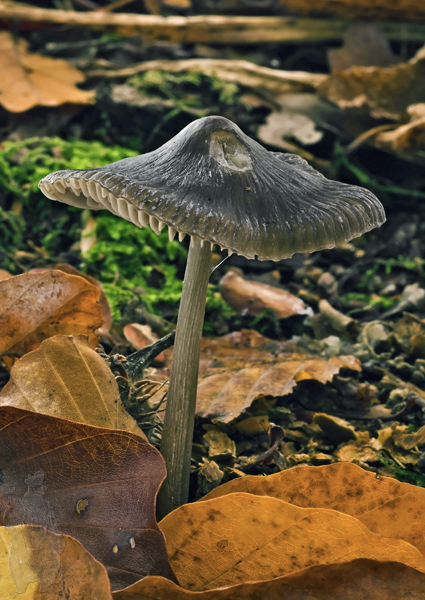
(104, 303)
(98, 485)
(65, 378)
(242, 537)
(254, 297)
(44, 565)
(35, 306)
(359, 579)
(386, 506)
(30, 80)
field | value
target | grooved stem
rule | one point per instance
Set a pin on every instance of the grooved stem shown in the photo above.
(177, 436)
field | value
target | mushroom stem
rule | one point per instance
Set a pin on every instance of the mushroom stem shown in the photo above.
(177, 436)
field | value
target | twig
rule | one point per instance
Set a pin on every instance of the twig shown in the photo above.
(211, 29)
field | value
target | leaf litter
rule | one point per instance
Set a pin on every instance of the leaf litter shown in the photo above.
(353, 392)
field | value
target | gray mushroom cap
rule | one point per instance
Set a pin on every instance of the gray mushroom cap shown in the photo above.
(213, 182)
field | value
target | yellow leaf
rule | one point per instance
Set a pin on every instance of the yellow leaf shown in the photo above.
(36, 564)
(386, 506)
(65, 378)
(242, 537)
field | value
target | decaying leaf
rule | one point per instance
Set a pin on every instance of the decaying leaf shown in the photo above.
(355, 580)
(242, 537)
(408, 137)
(65, 378)
(35, 306)
(38, 564)
(225, 395)
(30, 80)
(382, 92)
(104, 303)
(365, 45)
(140, 336)
(254, 297)
(284, 124)
(384, 505)
(98, 485)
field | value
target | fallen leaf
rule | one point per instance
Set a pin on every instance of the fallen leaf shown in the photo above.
(42, 565)
(140, 336)
(382, 92)
(355, 580)
(242, 537)
(253, 297)
(5, 274)
(407, 441)
(335, 429)
(65, 378)
(104, 303)
(365, 45)
(35, 306)
(287, 124)
(98, 485)
(386, 506)
(225, 395)
(30, 80)
(407, 138)
(219, 443)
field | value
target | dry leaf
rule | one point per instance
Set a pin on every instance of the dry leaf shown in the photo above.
(225, 395)
(98, 485)
(5, 274)
(30, 80)
(359, 579)
(383, 92)
(35, 306)
(287, 124)
(65, 378)
(384, 505)
(46, 565)
(407, 138)
(335, 429)
(253, 297)
(241, 537)
(364, 44)
(140, 336)
(104, 303)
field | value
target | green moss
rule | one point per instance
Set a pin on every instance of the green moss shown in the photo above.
(25, 213)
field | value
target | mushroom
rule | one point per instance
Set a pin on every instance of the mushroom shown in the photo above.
(219, 186)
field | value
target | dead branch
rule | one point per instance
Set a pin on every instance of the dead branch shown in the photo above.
(237, 71)
(212, 29)
(405, 10)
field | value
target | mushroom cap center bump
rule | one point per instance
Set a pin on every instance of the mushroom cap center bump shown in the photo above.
(213, 182)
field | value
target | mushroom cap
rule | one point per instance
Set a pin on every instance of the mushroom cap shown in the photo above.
(213, 182)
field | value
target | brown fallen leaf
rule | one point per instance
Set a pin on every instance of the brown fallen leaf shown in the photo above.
(253, 297)
(225, 395)
(65, 378)
(364, 44)
(30, 80)
(408, 138)
(242, 537)
(104, 303)
(5, 274)
(382, 92)
(42, 565)
(355, 580)
(35, 306)
(98, 485)
(383, 504)
(140, 336)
